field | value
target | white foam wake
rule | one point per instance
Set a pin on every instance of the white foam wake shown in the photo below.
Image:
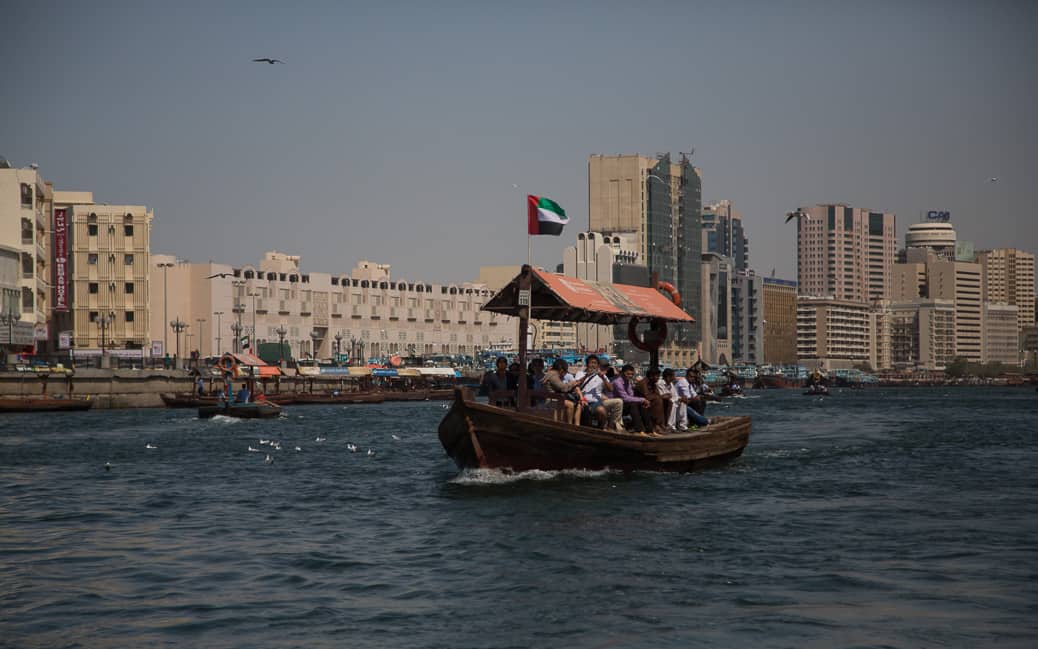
(498, 476)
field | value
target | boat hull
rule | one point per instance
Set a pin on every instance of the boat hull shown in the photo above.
(778, 381)
(241, 411)
(18, 404)
(187, 400)
(343, 397)
(477, 435)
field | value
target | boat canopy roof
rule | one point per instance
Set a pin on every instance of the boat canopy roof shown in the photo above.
(568, 299)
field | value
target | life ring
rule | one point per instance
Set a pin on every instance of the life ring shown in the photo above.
(675, 297)
(657, 329)
(228, 364)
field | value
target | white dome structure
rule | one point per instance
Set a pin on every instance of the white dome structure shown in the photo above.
(937, 236)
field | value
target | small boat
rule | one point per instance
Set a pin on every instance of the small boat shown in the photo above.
(341, 397)
(187, 400)
(44, 404)
(481, 435)
(400, 395)
(252, 410)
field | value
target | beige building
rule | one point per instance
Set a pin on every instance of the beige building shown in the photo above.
(109, 255)
(920, 334)
(835, 334)
(1009, 279)
(367, 312)
(845, 252)
(715, 346)
(25, 234)
(1001, 334)
(780, 321)
(928, 277)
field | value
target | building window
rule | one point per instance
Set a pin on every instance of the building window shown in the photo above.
(93, 288)
(93, 316)
(26, 195)
(92, 229)
(129, 314)
(92, 259)
(128, 230)
(129, 288)
(128, 260)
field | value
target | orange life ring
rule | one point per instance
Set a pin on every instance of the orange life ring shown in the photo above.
(658, 328)
(675, 297)
(228, 364)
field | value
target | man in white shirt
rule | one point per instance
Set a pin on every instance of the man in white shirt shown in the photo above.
(680, 394)
(594, 387)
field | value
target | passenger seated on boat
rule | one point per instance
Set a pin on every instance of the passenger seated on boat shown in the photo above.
(634, 406)
(569, 391)
(535, 381)
(594, 386)
(694, 404)
(495, 384)
(658, 402)
(243, 394)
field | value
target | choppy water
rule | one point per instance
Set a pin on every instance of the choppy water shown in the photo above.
(871, 519)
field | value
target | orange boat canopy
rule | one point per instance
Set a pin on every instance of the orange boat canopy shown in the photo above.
(568, 299)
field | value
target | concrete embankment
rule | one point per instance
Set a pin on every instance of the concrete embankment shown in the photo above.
(108, 388)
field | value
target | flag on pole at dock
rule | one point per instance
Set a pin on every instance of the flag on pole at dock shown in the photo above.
(545, 216)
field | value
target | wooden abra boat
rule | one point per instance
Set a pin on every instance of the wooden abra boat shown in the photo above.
(252, 410)
(477, 435)
(186, 400)
(43, 404)
(342, 397)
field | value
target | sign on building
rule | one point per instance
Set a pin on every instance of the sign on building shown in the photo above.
(61, 260)
(64, 340)
(938, 216)
(156, 348)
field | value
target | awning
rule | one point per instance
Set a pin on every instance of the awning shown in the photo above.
(245, 358)
(437, 371)
(568, 299)
(408, 371)
(383, 372)
(360, 371)
(269, 370)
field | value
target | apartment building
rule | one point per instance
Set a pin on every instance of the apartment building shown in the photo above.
(1009, 279)
(108, 278)
(780, 321)
(834, 333)
(1001, 334)
(921, 334)
(723, 233)
(747, 317)
(845, 252)
(25, 233)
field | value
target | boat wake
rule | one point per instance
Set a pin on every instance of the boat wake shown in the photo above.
(479, 477)
(224, 419)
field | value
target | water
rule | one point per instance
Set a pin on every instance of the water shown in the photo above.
(873, 518)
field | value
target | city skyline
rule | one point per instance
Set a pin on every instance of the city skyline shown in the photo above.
(424, 140)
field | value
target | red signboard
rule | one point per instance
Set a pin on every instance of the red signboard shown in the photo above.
(61, 259)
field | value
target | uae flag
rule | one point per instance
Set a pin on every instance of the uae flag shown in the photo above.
(545, 216)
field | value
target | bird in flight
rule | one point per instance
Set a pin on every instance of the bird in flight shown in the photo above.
(797, 214)
(993, 179)
(270, 61)
(220, 275)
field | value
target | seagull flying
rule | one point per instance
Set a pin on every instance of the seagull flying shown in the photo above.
(253, 450)
(220, 275)
(371, 453)
(320, 439)
(397, 437)
(352, 448)
(993, 179)
(797, 214)
(298, 449)
(266, 60)
(269, 460)
(150, 446)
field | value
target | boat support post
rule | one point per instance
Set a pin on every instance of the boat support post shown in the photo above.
(523, 402)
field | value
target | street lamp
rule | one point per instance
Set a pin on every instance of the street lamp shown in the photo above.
(236, 330)
(166, 265)
(252, 338)
(219, 347)
(353, 349)
(238, 308)
(338, 344)
(313, 347)
(105, 322)
(178, 326)
(281, 331)
(201, 344)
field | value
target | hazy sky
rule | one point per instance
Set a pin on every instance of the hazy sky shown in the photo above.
(395, 132)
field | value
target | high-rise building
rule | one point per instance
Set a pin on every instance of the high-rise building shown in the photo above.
(723, 233)
(716, 309)
(845, 252)
(600, 258)
(921, 334)
(937, 236)
(1009, 279)
(660, 203)
(747, 317)
(1001, 334)
(109, 258)
(25, 229)
(780, 321)
(925, 276)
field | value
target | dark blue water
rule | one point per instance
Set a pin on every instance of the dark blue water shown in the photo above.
(871, 519)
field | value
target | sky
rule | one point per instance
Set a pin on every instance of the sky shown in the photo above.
(409, 133)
